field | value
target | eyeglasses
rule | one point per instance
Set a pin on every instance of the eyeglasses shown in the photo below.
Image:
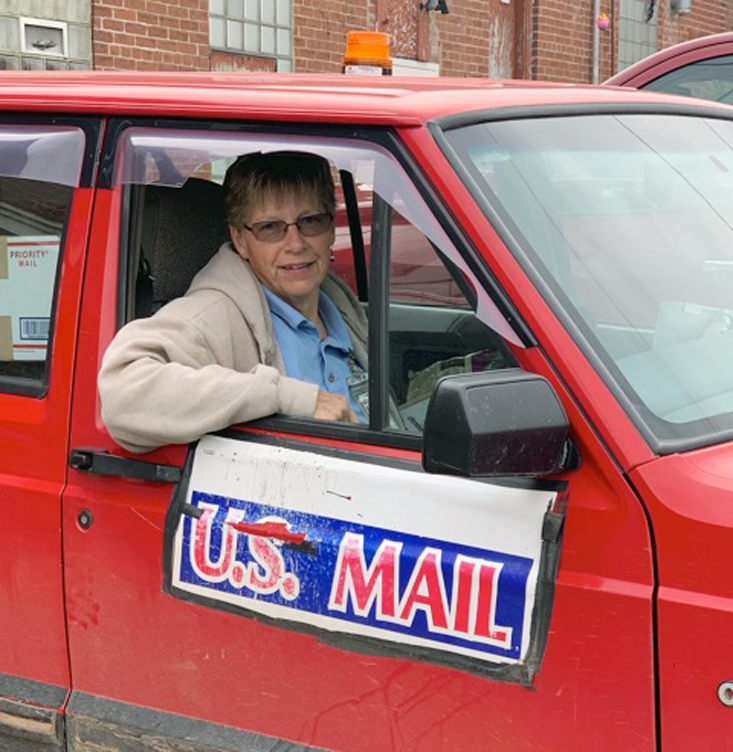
(309, 226)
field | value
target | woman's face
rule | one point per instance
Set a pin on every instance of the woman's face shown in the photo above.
(294, 266)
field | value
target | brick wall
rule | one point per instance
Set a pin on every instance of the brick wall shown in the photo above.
(707, 17)
(457, 41)
(150, 34)
(562, 41)
(463, 38)
(561, 47)
(539, 39)
(319, 31)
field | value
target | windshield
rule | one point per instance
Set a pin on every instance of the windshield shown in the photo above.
(629, 221)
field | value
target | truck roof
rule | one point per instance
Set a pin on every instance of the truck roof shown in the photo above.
(296, 97)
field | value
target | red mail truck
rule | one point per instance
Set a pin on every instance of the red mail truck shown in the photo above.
(534, 556)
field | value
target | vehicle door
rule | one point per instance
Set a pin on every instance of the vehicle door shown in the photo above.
(46, 169)
(307, 584)
(641, 214)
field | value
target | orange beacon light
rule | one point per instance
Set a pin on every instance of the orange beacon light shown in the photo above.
(367, 54)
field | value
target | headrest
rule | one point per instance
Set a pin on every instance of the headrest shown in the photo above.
(182, 229)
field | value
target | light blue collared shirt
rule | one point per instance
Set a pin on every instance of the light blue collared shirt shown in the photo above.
(327, 363)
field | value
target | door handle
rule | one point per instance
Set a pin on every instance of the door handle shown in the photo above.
(103, 463)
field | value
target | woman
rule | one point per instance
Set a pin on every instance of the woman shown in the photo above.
(262, 329)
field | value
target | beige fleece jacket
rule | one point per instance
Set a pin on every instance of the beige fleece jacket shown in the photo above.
(208, 360)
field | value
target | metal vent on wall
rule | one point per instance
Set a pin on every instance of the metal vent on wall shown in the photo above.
(680, 6)
(43, 37)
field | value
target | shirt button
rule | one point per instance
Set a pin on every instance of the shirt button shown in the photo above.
(331, 378)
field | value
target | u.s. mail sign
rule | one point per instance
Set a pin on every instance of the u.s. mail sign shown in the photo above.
(442, 565)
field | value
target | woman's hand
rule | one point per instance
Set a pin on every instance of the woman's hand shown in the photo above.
(334, 407)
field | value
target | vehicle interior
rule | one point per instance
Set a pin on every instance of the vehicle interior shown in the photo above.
(432, 329)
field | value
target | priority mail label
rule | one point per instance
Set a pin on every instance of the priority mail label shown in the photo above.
(446, 564)
(28, 266)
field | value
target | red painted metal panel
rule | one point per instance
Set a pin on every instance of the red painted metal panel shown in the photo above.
(130, 642)
(34, 450)
(690, 502)
(293, 98)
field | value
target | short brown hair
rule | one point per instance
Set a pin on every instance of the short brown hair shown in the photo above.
(253, 177)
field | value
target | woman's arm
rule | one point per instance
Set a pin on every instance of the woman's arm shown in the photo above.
(162, 382)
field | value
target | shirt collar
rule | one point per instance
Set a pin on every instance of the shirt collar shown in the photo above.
(278, 307)
(338, 335)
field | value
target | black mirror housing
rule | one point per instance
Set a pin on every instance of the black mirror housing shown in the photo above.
(495, 423)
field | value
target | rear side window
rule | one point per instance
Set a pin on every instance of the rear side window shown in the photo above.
(706, 79)
(39, 167)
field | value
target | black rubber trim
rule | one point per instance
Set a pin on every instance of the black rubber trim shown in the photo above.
(21, 387)
(124, 279)
(357, 236)
(34, 692)
(112, 724)
(379, 268)
(461, 120)
(321, 429)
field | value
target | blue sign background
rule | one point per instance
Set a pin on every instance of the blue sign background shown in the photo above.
(316, 572)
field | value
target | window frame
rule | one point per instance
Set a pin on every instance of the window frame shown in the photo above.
(378, 430)
(61, 26)
(91, 128)
(678, 76)
(630, 19)
(279, 59)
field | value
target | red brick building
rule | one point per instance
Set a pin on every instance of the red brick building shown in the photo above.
(537, 39)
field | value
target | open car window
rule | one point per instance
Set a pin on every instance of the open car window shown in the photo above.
(428, 316)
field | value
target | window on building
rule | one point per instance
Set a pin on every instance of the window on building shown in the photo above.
(263, 28)
(637, 32)
(59, 43)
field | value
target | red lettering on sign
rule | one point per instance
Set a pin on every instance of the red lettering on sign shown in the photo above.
(271, 565)
(471, 613)
(463, 594)
(265, 575)
(486, 607)
(427, 591)
(353, 580)
(218, 570)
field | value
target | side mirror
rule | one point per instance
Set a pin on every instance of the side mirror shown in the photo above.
(496, 423)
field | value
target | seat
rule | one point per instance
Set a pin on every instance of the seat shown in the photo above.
(182, 228)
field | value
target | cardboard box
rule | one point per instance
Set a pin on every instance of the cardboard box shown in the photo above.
(27, 278)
